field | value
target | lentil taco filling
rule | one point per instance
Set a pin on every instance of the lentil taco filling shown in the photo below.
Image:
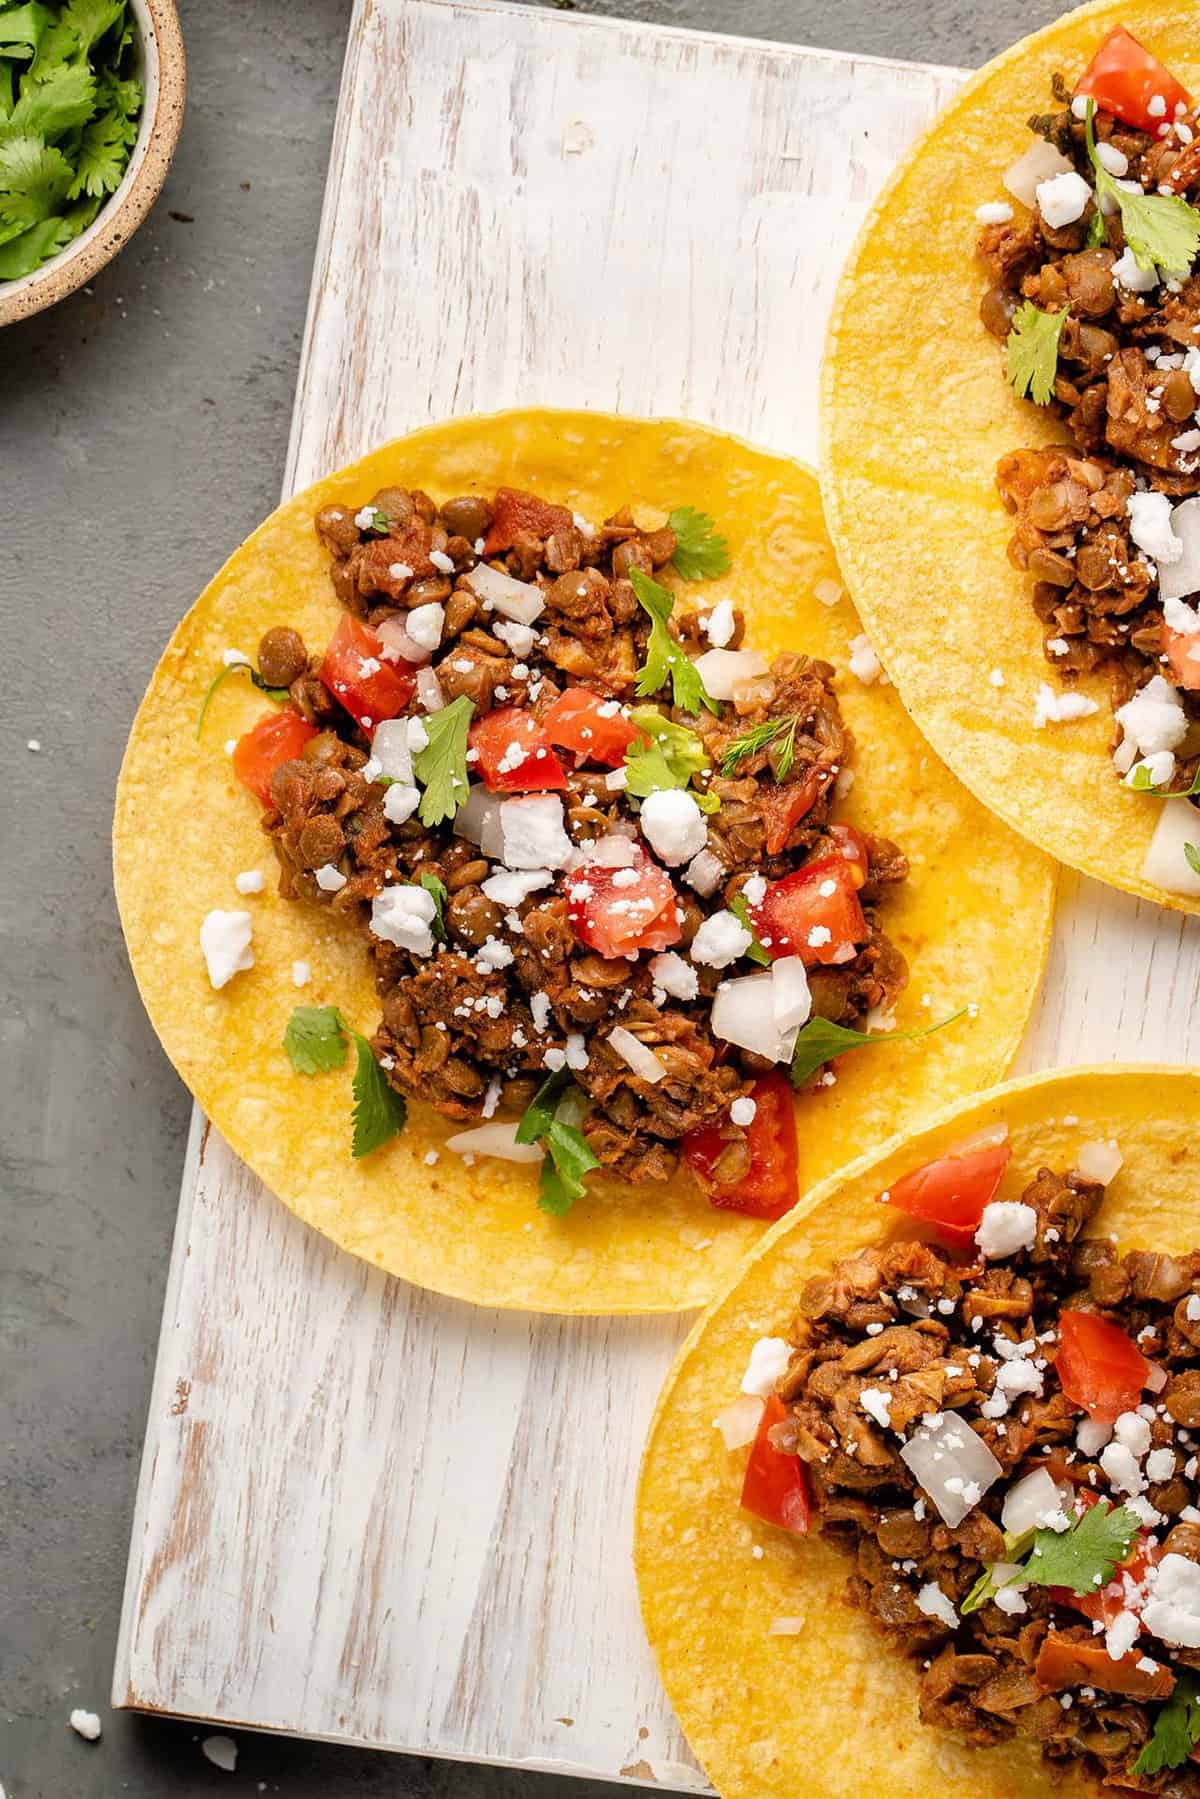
(1095, 293)
(588, 836)
(1000, 1428)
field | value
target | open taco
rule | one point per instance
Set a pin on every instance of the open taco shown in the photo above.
(1011, 449)
(507, 836)
(918, 1509)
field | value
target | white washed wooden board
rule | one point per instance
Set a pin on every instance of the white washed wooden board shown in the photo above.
(366, 1513)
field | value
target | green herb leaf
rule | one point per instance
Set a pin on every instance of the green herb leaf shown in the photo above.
(700, 554)
(665, 659)
(29, 249)
(1031, 352)
(1097, 236)
(1176, 1729)
(21, 29)
(538, 1115)
(315, 1039)
(570, 1156)
(1140, 782)
(90, 19)
(821, 1040)
(61, 102)
(760, 737)
(1192, 856)
(379, 1111)
(1162, 230)
(34, 179)
(671, 757)
(740, 908)
(103, 154)
(437, 887)
(1084, 1557)
(441, 767)
(279, 694)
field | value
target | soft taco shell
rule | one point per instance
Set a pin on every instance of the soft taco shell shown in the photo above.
(916, 412)
(832, 1711)
(973, 920)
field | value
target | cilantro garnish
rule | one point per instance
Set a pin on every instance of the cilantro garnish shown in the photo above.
(1031, 352)
(552, 1119)
(379, 520)
(760, 737)
(671, 757)
(279, 694)
(665, 660)
(700, 553)
(1192, 857)
(821, 1040)
(740, 908)
(1140, 782)
(69, 108)
(1176, 1729)
(1081, 1559)
(379, 1111)
(434, 885)
(1162, 230)
(315, 1039)
(441, 767)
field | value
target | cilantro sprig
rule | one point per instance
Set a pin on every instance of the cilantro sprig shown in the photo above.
(821, 1040)
(665, 659)
(441, 767)
(1082, 1558)
(316, 1040)
(1162, 230)
(701, 553)
(278, 694)
(669, 757)
(781, 731)
(552, 1118)
(1031, 352)
(436, 887)
(1140, 782)
(1176, 1729)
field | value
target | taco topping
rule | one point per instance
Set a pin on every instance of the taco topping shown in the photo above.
(1094, 292)
(587, 838)
(1001, 1424)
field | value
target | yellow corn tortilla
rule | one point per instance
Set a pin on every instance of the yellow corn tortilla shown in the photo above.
(973, 920)
(916, 412)
(832, 1710)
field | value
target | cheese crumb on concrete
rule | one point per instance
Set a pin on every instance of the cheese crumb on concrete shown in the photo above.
(85, 1724)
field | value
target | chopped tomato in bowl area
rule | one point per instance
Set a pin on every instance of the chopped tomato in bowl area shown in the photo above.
(593, 728)
(516, 512)
(950, 1193)
(1099, 1366)
(514, 753)
(769, 1186)
(278, 737)
(1123, 78)
(356, 673)
(776, 1486)
(621, 911)
(813, 913)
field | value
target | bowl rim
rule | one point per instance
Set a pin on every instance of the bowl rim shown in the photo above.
(124, 210)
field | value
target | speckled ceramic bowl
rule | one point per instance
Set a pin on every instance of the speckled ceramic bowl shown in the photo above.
(164, 80)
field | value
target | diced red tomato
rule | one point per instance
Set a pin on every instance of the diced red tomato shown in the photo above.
(592, 727)
(950, 1194)
(768, 1188)
(813, 913)
(1062, 1662)
(853, 846)
(515, 511)
(1105, 1605)
(1099, 1367)
(355, 672)
(619, 917)
(776, 1485)
(1123, 78)
(784, 807)
(1183, 653)
(278, 737)
(515, 753)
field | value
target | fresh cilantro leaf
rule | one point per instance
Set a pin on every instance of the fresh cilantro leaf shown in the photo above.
(58, 47)
(1192, 856)
(279, 694)
(434, 885)
(761, 737)
(441, 767)
(569, 1152)
(1176, 1729)
(1162, 230)
(90, 19)
(315, 1039)
(1140, 782)
(59, 103)
(379, 520)
(554, 1194)
(665, 659)
(1082, 1558)
(670, 758)
(821, 1040)
(6, 89)
(1031, 352)
(26, 251)
(379, 1111)
(22, 28)
(34, 180)
(538, 1115)
(103, 156)
(121, 95)
(740, 908)
(1097, 236)
(700, 554)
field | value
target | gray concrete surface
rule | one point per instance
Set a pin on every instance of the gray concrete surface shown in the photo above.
(142, 434)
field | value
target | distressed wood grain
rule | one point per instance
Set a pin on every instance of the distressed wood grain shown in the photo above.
(366, 1513)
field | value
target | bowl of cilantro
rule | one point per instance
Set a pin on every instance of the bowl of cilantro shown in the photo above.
(91, 100)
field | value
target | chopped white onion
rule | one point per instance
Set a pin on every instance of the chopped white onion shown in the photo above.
(1176, 580)
(478, 820)
(1099, 1161)
(791, 1001)
(499, 1140)
(724, 670)
(1041, 162)
(705, 873)
(636, 1055)
(390, 749)
(743, 1012)
(429, 690)
(739, 1422)
(398, 645)
(518, 600)
(1031, 1502)
(1165, 863)
(951, 1463)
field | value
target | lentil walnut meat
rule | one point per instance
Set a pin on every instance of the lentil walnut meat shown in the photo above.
(1126, 389)
(468, 1028)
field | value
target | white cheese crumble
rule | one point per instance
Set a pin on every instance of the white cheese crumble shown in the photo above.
(1063, 199)
(1150, 527)
(1112, 159)
(1121, 1635)
(531, 832)
(934, 1603)
(404, 916)
(1173, 1612)
(251, 880)
(673, 825)
(1153, 720)
(330, 878)
(1007, 1226)
(301, 974)
(876, 1402)
(743, 1111)
(994, 212)
(767, 1366)
(720, 940)
(85, 1724)
(1129, 274)
(509, 886)
(400, 802)
(1060, 708)
(225, 943)
(719, 624)
(424, 625)
(863, 663)
(670, 972)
